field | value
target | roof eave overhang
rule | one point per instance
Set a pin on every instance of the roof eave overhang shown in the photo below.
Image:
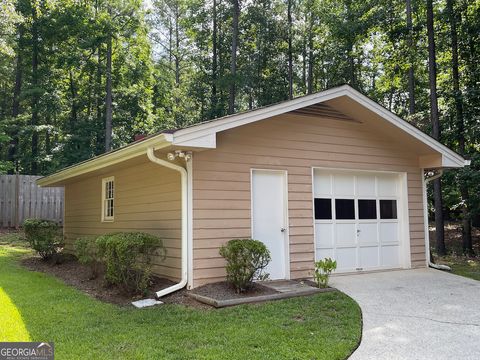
(137, 149)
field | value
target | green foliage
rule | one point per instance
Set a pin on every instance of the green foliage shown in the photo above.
(323, 269)
(87, 253)
(128, 258)
(44, 236)
(165, 73)
(246, 260)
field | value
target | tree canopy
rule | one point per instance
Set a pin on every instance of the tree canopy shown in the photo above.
(80, 77)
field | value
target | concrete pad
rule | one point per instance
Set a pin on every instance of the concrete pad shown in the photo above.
(289, 286)
(415, 314)
(146, 303)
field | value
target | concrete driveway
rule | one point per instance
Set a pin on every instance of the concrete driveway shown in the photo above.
(415, 314)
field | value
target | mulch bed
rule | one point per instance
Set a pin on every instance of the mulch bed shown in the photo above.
(70, 271)
(224, 291)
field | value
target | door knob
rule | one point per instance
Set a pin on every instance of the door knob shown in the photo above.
(283, 229)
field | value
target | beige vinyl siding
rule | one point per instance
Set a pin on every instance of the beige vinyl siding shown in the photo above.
(221, 183)
(147, 198)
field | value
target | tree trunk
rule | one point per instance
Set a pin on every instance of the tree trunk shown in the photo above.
(467, 229)
(108, 97)
(432, 75)
(99, 99)
(73, 110)
(177, 46)
(35, 99)
(233, 60)
(351, 76)
(310, 50)
(12, 150)
(290, 51)
(304, 62)
(411, 73)
(214, 62)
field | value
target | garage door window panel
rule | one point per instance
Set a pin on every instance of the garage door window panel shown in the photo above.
(388, 209)
(367, 209)
(323, 209)
(345, 209)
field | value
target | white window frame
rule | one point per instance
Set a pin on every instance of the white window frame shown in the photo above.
(106, 218)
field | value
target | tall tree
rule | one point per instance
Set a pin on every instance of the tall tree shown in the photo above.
(233, 57)
(311, 60)
(434, 118)
(35, 98)
(214, 99)
(411, 71)
(108, 94)
(460, 127)
(290, 48)
(12, 151)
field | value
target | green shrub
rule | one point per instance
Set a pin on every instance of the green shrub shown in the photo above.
(44, 236)
(246, 260)
(323, 269)
(127, 258)
(87, 253)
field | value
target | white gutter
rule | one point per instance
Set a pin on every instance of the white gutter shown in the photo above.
(183, 173)
(425, 220)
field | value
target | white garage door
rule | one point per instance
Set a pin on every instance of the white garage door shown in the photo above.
(357, 219)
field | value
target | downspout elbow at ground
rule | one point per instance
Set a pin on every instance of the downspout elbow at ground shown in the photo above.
(184, 240)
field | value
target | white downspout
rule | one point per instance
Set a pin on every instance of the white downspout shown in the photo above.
(425, 220)
(183, 173)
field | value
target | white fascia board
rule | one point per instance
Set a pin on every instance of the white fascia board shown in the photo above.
(101, 161)
(451, 158)
(184, 136)
(208, 141)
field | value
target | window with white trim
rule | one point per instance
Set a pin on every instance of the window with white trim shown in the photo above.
(108, 197)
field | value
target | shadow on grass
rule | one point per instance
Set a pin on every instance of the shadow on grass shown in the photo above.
(323, 326)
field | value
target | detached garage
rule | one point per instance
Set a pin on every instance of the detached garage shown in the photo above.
(331, 174)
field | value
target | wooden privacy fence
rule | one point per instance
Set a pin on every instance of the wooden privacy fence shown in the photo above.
(21, 198)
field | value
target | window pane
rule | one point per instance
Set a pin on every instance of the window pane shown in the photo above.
(367, 209)
(388, 209)
(344, 209)
(323, 209)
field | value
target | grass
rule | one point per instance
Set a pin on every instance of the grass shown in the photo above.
(467, 266)
(462, 266)
(38, 307)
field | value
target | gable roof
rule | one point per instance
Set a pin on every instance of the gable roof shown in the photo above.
(203, 135)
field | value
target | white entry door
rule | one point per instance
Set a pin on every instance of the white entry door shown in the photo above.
(358, 219)
(269, 223)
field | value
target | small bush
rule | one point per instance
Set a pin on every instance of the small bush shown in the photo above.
(323, 269)
(127, 258)
(246, 260)
(87, 253)
(43, 236)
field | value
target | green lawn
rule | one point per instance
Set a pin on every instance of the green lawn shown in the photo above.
(38, 307)
(462, 266)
